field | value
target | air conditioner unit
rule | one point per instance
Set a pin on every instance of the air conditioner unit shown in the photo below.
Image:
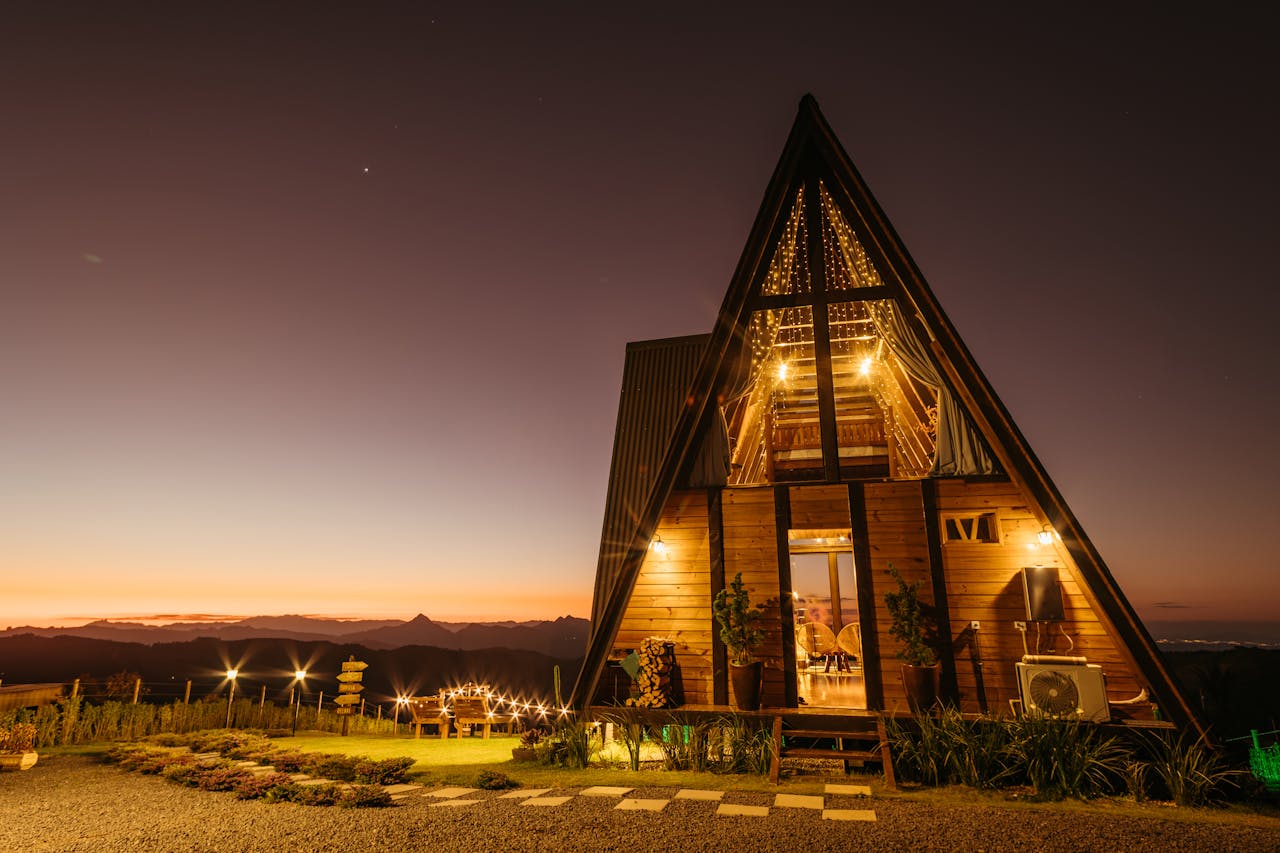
(1078, 691)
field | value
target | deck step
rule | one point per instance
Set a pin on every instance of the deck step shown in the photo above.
(848, 754)
(871, 730)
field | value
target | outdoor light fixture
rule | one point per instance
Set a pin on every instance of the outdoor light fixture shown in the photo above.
(298, 676)
(231, 694)
(782, 371)
(658, 547)
(1045, 536)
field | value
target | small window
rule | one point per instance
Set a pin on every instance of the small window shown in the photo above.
(972, 527)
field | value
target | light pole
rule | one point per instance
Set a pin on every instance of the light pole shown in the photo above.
(298, 676)
(231, 694)
(400, 700)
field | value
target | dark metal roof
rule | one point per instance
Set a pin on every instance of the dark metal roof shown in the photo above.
(656, 380)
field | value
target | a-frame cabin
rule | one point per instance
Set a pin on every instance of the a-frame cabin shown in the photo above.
(831, 425)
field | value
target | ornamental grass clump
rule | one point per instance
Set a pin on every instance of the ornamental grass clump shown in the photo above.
(1187, 771)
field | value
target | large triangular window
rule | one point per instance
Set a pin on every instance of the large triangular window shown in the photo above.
(827, 386)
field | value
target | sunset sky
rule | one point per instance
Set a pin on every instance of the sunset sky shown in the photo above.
(322, 308)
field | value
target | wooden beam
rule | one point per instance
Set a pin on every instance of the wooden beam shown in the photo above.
(715, 541)
(775, 301)
(864, 579)
(786, 602)
(942, 610)
(821, 332)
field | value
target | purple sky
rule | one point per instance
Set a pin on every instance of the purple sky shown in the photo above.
(322, 309)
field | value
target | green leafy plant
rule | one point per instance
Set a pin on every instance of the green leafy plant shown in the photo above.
(737, 619)
(1190, 772)
(1066, 758)
(908, 622)
(750, 744)
(628, 727)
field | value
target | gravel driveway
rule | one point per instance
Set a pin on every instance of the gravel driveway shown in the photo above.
(70, 803)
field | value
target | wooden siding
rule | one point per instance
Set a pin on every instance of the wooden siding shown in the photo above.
(820, 507)
(896, 536)
(751, 547)
(984, 583)
(672, 595)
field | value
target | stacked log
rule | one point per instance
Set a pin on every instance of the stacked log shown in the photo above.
(653, 681)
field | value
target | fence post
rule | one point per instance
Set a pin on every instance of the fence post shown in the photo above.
(137, 688)
(186, 697)
(318, 704)
(75, 688)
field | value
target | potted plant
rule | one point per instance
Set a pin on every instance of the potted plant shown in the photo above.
(15, 747)
(740, 635)
(909, 624)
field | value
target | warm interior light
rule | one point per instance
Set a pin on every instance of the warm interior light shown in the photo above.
(782, 371)
(657, 546)
(865, 367)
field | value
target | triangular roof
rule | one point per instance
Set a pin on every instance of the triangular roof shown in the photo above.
(813, 153)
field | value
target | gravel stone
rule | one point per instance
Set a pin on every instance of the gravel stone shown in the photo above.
(72, 803)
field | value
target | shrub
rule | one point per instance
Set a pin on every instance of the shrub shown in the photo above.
(364, 797)
(288, 762)
(388, 771)
(333, 766)
(259, 784)
(315, 795)
(492, 780)
(685, 743)
(222, 779)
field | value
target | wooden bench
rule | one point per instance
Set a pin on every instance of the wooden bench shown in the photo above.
(429, 711)
(472, 711)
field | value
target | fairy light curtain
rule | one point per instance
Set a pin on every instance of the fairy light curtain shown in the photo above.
(959, 450)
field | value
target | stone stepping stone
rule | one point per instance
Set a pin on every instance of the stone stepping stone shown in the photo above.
(605, 791)
(640, 804)
(246, 763)
(848, 814)
(526, 793)
(446, 803)
(401, 788)
(546, 801)
(735, 810)
(200, 756)
(310, 782)
(797, 801)
(697, 794)
(849, 790)
(298, 777)
(450, 793)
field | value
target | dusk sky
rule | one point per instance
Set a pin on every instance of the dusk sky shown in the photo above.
(321, 308)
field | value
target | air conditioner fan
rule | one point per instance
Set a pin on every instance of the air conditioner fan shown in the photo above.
(1054, 693)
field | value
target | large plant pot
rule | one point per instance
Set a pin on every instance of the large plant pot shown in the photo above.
(746, 685)
(17, 760)
(921, 683)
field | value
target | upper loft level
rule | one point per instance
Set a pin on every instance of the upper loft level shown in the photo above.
(829, 382)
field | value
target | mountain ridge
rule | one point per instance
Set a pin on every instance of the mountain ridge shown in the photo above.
(564, 637)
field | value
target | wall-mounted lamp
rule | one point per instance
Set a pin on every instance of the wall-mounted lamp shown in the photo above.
(658, 547)
(1046, 535)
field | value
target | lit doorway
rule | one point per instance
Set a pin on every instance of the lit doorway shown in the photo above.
(828, 627)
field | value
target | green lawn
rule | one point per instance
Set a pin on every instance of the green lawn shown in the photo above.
(458, 761)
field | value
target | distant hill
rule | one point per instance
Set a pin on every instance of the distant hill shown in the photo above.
(565, 637)
(270, 663)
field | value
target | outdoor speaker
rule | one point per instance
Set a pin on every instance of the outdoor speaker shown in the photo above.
(1043, 594)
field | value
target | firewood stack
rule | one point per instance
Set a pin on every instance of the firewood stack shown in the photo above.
(657, 665)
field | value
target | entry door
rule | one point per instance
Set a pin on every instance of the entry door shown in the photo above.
(828, 629)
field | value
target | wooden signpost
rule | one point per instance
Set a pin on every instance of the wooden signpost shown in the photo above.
(349, 688)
